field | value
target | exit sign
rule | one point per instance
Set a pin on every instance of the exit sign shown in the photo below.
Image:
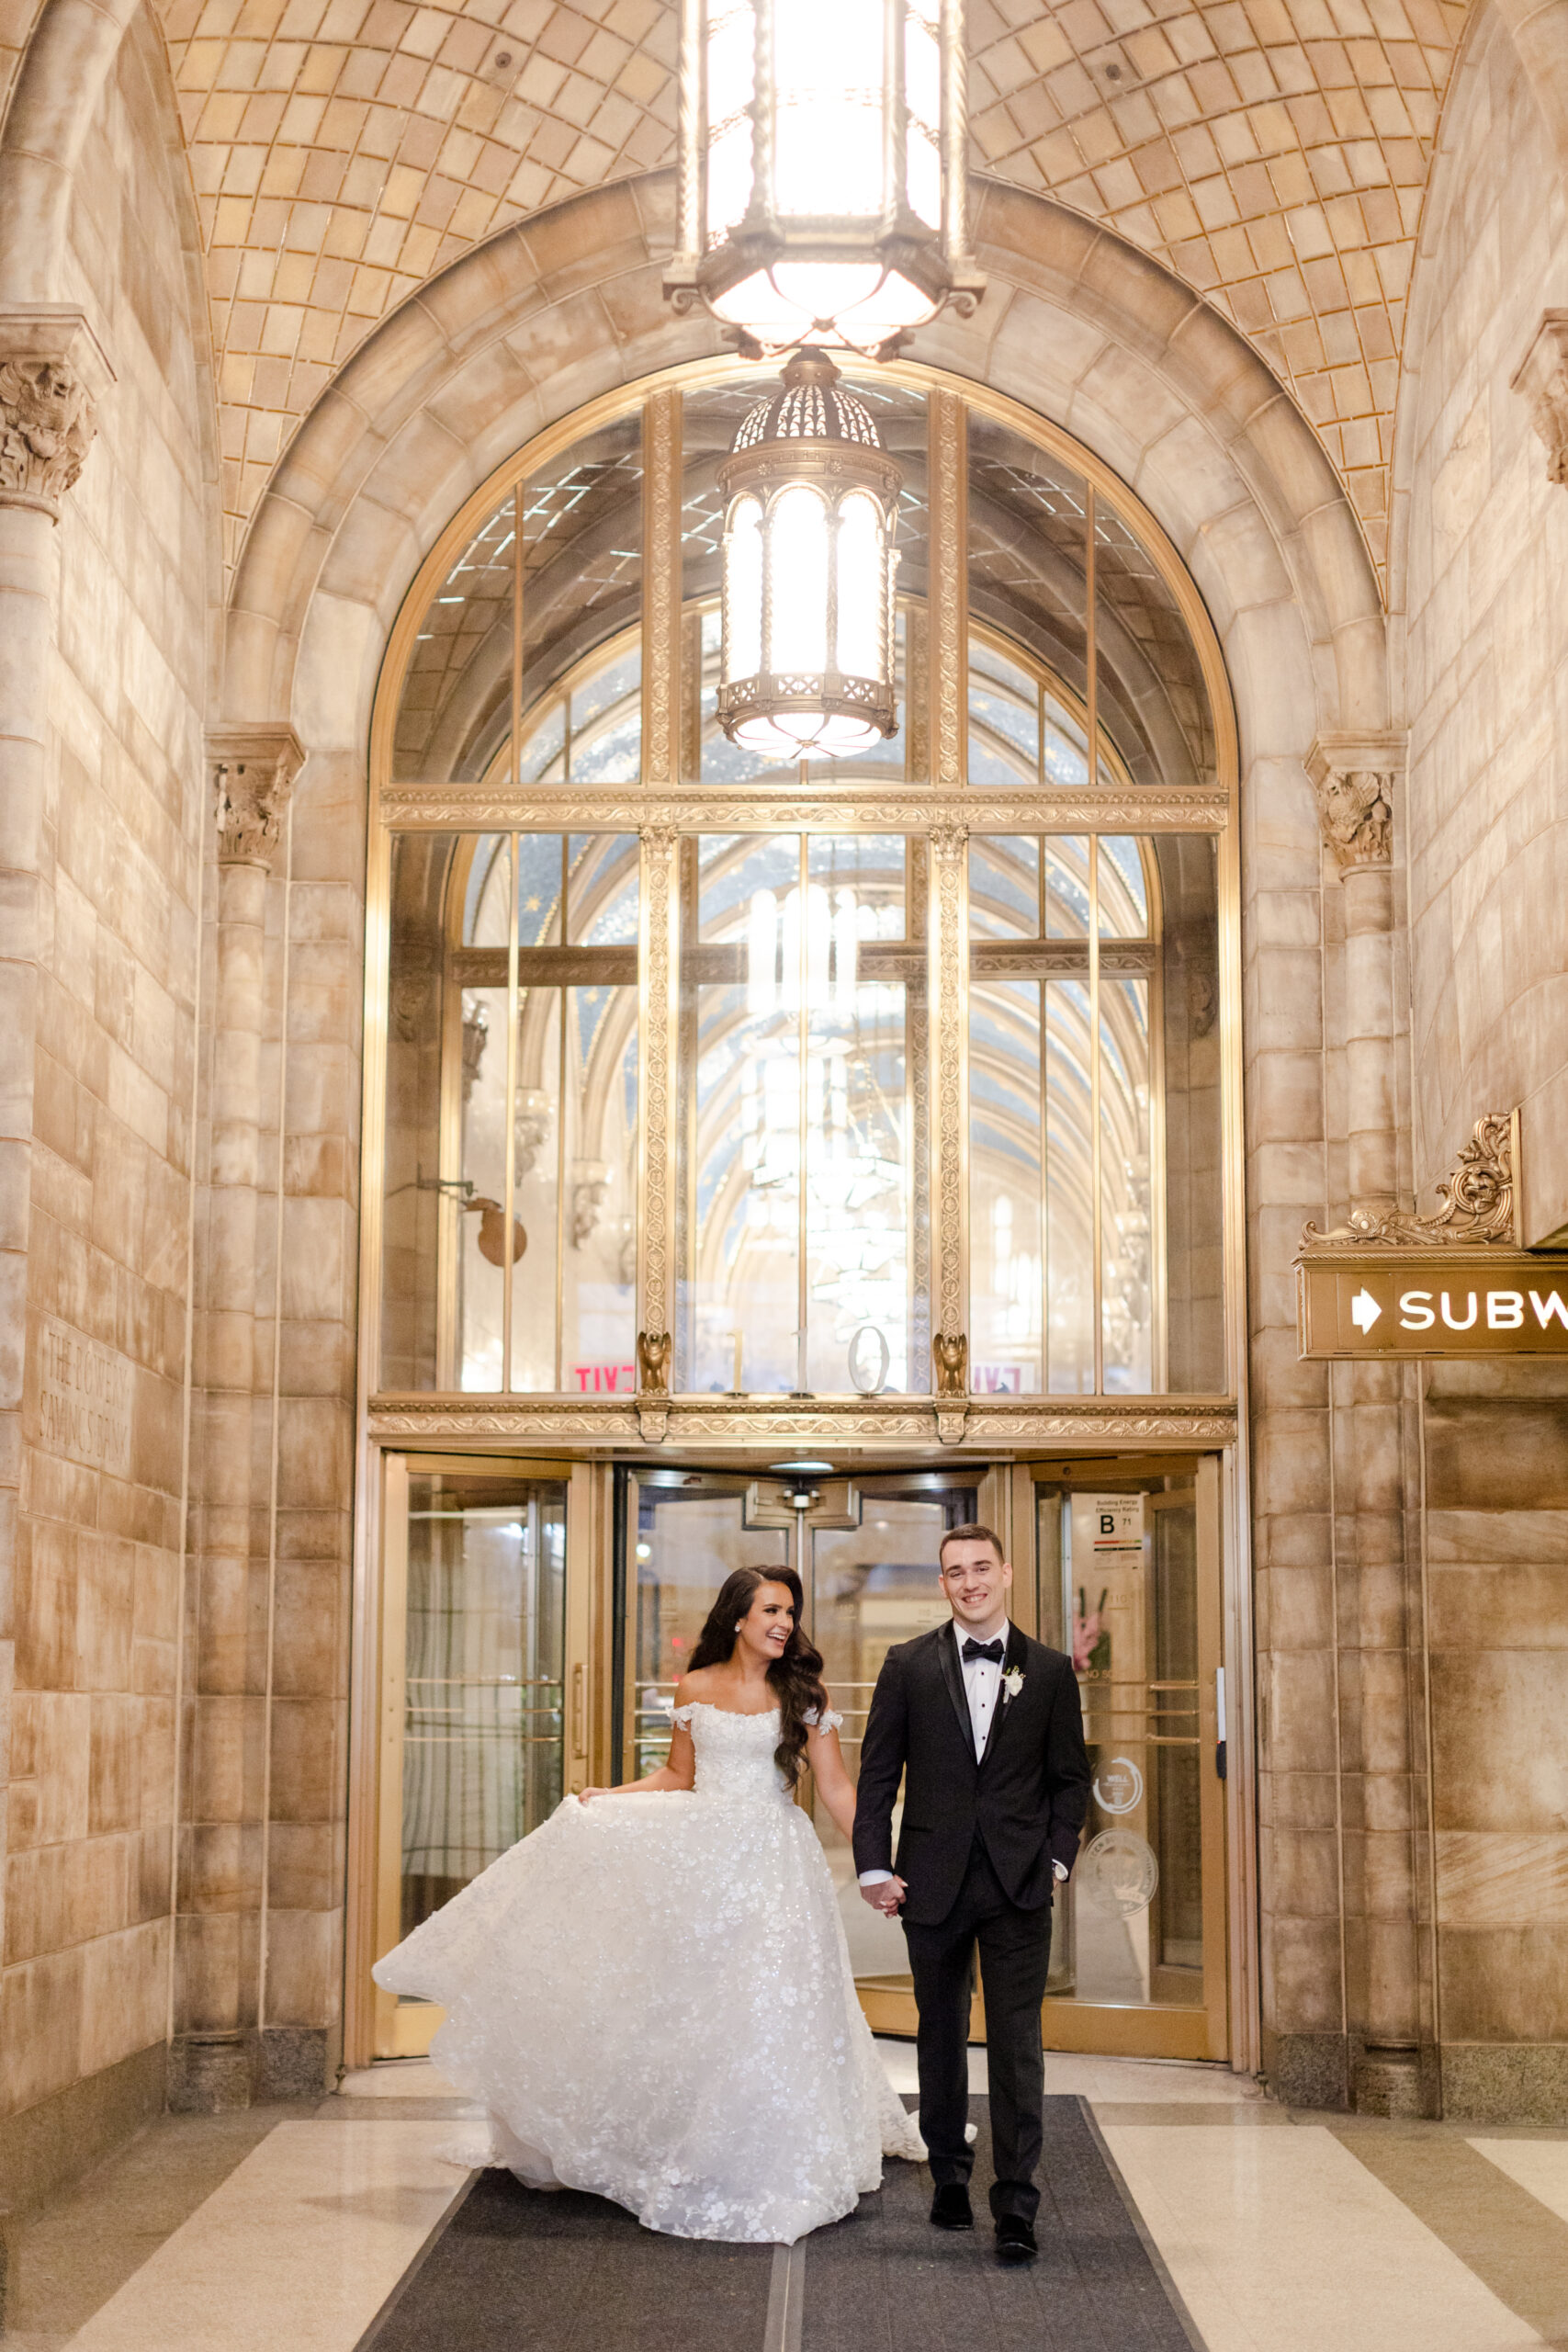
(1432, 1302)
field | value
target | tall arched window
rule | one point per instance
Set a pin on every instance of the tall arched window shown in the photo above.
(851, 1078)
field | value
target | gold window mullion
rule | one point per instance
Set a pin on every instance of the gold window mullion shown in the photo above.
(657, 968)
(509, 1189)
(1091, 705)
(563, 1001)
(802, 1100)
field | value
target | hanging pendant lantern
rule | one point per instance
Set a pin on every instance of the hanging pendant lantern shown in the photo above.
(821, 193)
(811, 508)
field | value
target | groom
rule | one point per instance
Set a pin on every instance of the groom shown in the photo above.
(986, 1727)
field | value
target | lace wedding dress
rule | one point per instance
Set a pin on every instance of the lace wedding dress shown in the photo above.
(652, 1995)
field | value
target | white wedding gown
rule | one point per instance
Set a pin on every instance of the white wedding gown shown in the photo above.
(652, 1995)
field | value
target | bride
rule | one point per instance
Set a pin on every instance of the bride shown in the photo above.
(652, 1993)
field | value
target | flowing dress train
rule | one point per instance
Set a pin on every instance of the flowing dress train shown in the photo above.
(652, 1995)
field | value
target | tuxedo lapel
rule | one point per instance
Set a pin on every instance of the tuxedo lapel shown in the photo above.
(1015, 1657)
(952, 1675)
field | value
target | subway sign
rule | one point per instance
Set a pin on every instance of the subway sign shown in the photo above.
(1421, 1302)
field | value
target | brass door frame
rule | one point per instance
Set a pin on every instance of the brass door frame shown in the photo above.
(377, 2026)
(1007, 1501)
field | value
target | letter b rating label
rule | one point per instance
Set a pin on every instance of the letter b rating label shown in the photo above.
(1473, 1302)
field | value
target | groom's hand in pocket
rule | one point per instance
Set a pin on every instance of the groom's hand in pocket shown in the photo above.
(884, 1896)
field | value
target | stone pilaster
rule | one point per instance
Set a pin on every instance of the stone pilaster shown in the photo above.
(1377, 1630)
(52, 372)
(219, 1924)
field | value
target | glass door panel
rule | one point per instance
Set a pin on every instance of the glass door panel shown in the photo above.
(866, 1553)
(1129, 1574)
(686, 1532)
(481, 1738)
(872, 1582)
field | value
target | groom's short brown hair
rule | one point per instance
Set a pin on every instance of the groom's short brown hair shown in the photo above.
(973, 1534)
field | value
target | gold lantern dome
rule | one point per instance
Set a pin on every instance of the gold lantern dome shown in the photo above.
(811, 512)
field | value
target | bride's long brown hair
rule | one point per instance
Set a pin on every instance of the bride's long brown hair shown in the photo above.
(795, 1676)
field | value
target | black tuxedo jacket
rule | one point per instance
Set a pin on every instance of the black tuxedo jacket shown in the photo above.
(1027, 1796)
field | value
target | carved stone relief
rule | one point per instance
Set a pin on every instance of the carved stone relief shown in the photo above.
(47, 423)
(1542, 381)
(253, 770)
(1356, 778)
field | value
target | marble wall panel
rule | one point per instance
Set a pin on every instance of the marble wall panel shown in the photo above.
(85, 1978)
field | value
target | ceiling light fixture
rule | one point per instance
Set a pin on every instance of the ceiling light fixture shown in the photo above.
(805, 665)
(821, 193)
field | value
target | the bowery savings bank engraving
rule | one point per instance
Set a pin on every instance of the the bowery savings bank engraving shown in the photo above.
(85, 1396)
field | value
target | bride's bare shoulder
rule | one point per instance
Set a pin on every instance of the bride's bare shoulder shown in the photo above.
(695, 1686)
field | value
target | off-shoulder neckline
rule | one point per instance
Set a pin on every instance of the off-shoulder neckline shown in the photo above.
(741, 1715)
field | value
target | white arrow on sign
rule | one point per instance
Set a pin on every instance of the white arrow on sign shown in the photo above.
(1364, 1310)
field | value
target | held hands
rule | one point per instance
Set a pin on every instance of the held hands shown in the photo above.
(884, 1896)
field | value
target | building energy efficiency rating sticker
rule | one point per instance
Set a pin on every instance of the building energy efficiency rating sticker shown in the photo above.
(1459, 1303)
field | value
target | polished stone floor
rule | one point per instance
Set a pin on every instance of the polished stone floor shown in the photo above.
(1277, 2230)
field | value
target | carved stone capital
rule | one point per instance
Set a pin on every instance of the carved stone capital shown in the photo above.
(1542, 380)
(52, 373)
(253, 770)
(1356, 776)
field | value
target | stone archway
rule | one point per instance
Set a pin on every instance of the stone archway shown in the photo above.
(1088, 332)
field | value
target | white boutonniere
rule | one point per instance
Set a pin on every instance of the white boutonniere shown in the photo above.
(1012, 1682)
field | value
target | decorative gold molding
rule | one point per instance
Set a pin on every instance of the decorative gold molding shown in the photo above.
(1356, 777)
(253, 770)
(1477, 1196)
(1541, 380)
(52, 373)
(780, 808)
(946, 561)
(661, 592)
(983, 1424)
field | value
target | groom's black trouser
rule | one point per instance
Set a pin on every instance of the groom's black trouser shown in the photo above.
(1015, 1953)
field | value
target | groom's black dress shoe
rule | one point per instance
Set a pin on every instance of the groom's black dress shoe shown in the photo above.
(951, 2208)
(1015, 2239)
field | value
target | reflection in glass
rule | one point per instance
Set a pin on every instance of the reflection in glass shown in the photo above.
(1153, 703)
(1128, 1566)
(794, 1056)
(577, 684)
(1125, 1236)
(483, 1727)
(1027, 596)
(871, 1584)
(457, 685)
(1005, 1264)
(1023, 729)
(1062, 1083)
(513, 1112)
(686, 1544)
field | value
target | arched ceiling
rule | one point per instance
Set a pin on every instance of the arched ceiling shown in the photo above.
(1272, 153)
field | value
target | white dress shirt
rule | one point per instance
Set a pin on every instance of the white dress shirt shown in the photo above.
(982, 1681)
(982, 1688)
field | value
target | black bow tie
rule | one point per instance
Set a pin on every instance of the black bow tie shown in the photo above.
(991, 1650)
